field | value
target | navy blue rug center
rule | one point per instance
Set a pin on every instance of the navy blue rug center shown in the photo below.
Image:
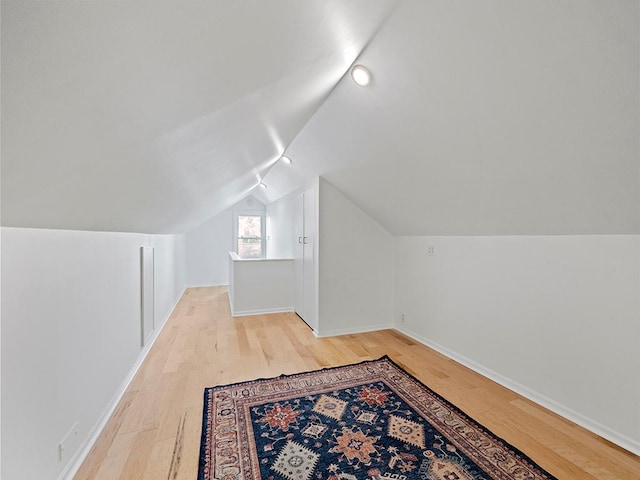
(357, 432)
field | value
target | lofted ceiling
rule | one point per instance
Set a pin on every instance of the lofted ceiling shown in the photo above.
(154, 116)
(488, 117)
(484, 117)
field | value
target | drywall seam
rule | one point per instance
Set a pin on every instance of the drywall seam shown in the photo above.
(565, 412)
(81, 453)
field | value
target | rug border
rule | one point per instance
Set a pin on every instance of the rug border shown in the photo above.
(486, 430)
(482, 427)
(291, 375)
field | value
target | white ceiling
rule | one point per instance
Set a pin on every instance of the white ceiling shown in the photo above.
(484, 117)
(489, 118)
(154, 116)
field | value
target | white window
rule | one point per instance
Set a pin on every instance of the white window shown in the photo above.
(249, 229)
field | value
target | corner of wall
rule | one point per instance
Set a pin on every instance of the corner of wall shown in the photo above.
(355, 277)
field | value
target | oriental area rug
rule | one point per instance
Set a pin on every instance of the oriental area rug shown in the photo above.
(369, 421)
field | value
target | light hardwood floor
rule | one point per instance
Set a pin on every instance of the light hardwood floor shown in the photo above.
(155, 430)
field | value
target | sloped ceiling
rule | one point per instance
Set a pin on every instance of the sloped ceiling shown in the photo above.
(154, 116)
(484, 117)
(488, 118)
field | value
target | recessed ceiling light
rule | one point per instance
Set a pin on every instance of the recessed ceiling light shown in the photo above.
(361, 75)
(285, 159)
(263, 185)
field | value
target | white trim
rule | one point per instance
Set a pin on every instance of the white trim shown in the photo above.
(619, 439)
(208, 285)
(72, 467)
(350, 331)
(247, 313)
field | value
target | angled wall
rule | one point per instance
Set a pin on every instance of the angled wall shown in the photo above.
(355, 267)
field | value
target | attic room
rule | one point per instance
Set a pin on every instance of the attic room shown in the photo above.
(472, 214)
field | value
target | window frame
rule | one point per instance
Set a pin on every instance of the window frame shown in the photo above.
(263, 230)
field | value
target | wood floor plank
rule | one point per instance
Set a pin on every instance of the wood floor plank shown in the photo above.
(116, 458)
(139, 455)
(155, 430)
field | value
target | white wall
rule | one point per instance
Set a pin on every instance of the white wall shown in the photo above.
(208, 245)
(71, 334)
(208, 249)
(1, 352)
(556, 318)
(170, 272)
(280, 228)
(355, 268)
(260, 286)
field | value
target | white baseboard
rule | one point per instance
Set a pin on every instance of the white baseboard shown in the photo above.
(605, 432)
(81, 453)
(350, 331)
(246, 313)
(208, 285)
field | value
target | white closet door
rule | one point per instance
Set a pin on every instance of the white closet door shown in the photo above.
(304, 257)
(309, 254)
(298, 263)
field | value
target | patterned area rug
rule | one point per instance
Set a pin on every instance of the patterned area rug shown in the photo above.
(370, 421)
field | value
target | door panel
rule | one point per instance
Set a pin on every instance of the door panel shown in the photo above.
(304, 257)
(309, 250)
(298, 230)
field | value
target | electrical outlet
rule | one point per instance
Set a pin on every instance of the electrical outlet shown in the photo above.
(402, 317)
(431, 250)
(69, 443)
